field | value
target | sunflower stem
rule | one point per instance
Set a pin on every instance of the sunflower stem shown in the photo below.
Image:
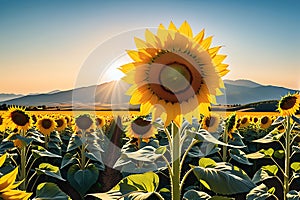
(224, 148)
(287, 158)
(83, 158)
(175, 181)
(23, 167)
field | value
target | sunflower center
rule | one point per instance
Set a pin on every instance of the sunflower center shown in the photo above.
(98, 121)
(46, 123)
(59, 123)
(288, 103)
(210, 121)
(140, 126)
(175, 77)
(19, 118)
(84, 122)
(1, 120)
(244, 121)
(264, 120)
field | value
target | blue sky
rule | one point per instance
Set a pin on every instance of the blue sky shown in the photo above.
(48, 44)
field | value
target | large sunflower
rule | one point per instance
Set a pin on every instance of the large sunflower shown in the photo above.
(174, 73)
(289, 104)
(141, 129)
(46, 125)
(17, 118)
(8, 186)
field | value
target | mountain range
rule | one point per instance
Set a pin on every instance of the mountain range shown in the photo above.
(112, 95)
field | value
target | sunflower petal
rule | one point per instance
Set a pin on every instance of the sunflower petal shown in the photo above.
(205, 44)
(2, 159)
(172, 26)
(186, 29)
(199, 37)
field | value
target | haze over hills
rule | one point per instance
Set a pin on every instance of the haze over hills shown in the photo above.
(6, 97)
(112, 95)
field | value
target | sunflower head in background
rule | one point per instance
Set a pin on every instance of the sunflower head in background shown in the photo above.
(2, 124)
(84, 122)
(230, 125)
(61, 123)
(265, 122)
(100, 121)
(174, 74)
(244, 121)
(289, 104)
(46, 125)
(211, 122)
(17, 118)
(141, 128)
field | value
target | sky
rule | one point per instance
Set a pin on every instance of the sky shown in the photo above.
(48, 45)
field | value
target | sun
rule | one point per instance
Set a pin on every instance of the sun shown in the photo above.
(113, 73)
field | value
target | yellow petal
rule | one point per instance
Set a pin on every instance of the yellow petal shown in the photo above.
(186, 29)
(205, 44)
(145, 108)
(2, 159)
(127, 67)
(218, 59)
(172, 26)
(213, 51)
(151, 38)
(140, 44)
(199, 37)
(8, 180)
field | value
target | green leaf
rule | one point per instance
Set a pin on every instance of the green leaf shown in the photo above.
(195, 195)
(279, 154)
(24, 140)
(82, 180)
(296, 166)
(139, 195)
(239, 156)
(111, 195)
(42, 152)
(207, 162)
(269, 138)
(49, 191)
(147, 182)
(220, 198)
(258, 193)
(268, 153)
(67, 160)
(145, 154)
(296, 119)
(293, 195)
(255, 155)
(224, 178)
(49, 170)
(161, 150)
(4, 146)
(204, 135)
(296, 149)
(270, 169)
(279, 120)
(260, 176)
(74, 143)
(204, 150)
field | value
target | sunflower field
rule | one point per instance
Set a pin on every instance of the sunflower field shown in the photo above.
(174, 148)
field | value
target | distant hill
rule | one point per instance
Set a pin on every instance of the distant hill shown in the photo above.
(112, 95)
(6, 97)
(242, 82)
